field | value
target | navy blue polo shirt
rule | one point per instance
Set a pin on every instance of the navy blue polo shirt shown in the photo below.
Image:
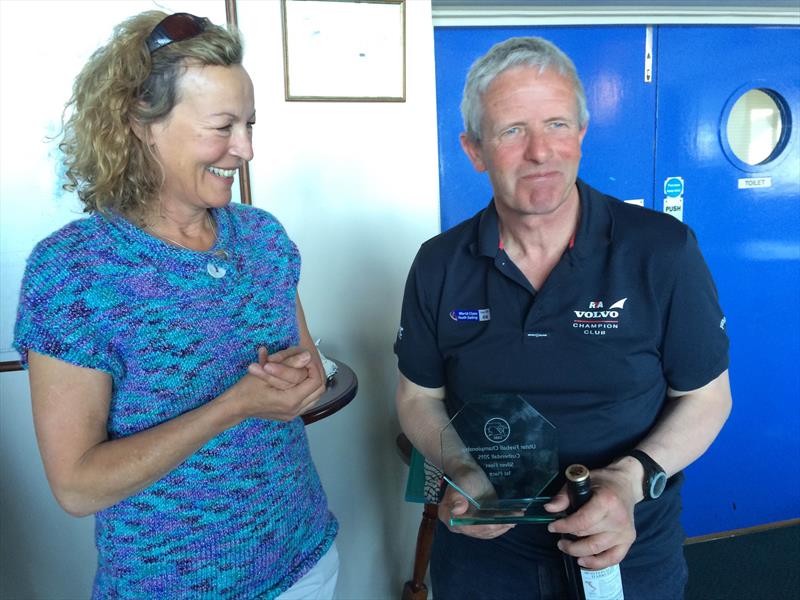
(629, 310)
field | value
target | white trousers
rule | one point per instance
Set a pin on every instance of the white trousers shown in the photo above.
(320, 582)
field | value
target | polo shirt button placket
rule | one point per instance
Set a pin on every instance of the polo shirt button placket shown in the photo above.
(531, 331)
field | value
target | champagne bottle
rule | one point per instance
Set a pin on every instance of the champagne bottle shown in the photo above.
(586, 584)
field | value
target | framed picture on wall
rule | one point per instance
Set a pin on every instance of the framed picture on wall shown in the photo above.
(344, 50)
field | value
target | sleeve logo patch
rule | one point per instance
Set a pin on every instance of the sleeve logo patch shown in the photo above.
(483, 314)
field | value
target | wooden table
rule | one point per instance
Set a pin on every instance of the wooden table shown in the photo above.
(340, 391)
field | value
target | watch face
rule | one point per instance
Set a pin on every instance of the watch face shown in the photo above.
(657, 484)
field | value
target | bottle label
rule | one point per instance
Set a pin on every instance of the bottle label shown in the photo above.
(605, 584)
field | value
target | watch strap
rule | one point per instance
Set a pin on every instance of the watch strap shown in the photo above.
(651, 469)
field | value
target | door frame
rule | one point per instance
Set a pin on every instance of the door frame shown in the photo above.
(483, 13)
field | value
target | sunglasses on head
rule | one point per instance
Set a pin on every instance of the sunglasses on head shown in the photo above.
(175, 28)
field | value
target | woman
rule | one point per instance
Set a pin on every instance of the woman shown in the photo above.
(168, 353)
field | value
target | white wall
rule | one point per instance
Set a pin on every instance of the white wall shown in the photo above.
(355, 185)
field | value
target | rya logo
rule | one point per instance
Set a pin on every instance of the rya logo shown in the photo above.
(598, 318)
(497, 430)
(597, 311)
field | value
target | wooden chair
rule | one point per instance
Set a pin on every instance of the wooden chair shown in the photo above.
(415, 589)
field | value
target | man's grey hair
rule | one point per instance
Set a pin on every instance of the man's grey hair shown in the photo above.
(533, 52)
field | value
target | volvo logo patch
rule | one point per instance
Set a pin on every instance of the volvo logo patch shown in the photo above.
(597, 319)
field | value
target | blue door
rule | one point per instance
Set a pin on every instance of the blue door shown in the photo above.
(747, 219)
(663, 139)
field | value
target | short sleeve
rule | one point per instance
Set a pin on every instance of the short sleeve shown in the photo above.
(416, 346)
(286, 249)
(293, 260)
(695, 343)
(268, 240)
(57, 313)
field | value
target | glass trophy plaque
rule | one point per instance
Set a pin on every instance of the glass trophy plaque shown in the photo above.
(500, 453)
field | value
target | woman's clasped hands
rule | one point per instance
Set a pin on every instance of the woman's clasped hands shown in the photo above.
(283, 385)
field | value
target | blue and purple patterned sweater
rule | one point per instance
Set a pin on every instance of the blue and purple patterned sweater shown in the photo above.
(245, 516)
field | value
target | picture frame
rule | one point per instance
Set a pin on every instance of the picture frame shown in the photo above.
(344, 50)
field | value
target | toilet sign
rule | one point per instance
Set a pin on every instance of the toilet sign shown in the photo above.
(673, 197)
(673, 187)
(755, 182)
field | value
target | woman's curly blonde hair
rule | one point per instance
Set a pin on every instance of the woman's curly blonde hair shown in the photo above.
(123, 85)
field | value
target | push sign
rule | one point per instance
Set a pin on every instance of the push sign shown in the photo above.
(673, 197)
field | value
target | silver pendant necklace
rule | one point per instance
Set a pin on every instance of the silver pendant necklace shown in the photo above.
(161, 236)
(215, 271)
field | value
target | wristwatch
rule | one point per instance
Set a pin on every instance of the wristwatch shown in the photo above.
(655, 479)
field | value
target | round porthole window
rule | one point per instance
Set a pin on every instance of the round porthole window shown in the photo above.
(756, 128)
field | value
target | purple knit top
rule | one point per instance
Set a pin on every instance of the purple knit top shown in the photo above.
(245, 516)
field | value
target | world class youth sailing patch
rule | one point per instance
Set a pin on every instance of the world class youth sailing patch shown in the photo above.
(483, 314)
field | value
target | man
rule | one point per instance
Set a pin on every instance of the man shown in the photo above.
(543, 262)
